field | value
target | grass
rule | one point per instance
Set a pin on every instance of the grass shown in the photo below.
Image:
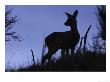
(88, 62)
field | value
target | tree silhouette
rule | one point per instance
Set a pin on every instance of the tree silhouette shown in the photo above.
(101, 16)
(10, 21)
(99, 40)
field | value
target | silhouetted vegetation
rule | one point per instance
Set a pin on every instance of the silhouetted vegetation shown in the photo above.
(87, 62)
(99, 40)
(101, 17)
(10, 21)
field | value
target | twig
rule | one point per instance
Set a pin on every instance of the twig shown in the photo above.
(85, 38)
(33, 59)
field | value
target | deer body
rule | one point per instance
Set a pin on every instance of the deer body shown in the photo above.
(63, 40)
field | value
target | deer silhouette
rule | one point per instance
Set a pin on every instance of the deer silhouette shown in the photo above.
(63, 40)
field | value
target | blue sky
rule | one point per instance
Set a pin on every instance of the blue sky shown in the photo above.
(36, 22)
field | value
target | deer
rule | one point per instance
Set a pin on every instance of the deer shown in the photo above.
(63, 40)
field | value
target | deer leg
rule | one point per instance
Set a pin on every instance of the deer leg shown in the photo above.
(72, 51)
(51, 52)
(45, 58)
(49, 55)
(63, 52)
(67, 51)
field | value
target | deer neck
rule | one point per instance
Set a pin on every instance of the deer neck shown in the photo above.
(74, 28)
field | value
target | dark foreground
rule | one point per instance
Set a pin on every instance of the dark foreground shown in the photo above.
(89, 62)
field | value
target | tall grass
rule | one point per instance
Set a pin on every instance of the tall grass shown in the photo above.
(88, 62)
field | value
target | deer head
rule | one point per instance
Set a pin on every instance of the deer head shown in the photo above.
(71, 21)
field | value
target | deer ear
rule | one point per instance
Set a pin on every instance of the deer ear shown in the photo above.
(75, 13)
(68, 15)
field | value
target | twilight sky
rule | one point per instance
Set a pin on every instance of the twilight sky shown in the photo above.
(36, 22)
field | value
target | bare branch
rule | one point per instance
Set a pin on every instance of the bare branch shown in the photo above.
(10, 21)
(85, 38)
(33, 58)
